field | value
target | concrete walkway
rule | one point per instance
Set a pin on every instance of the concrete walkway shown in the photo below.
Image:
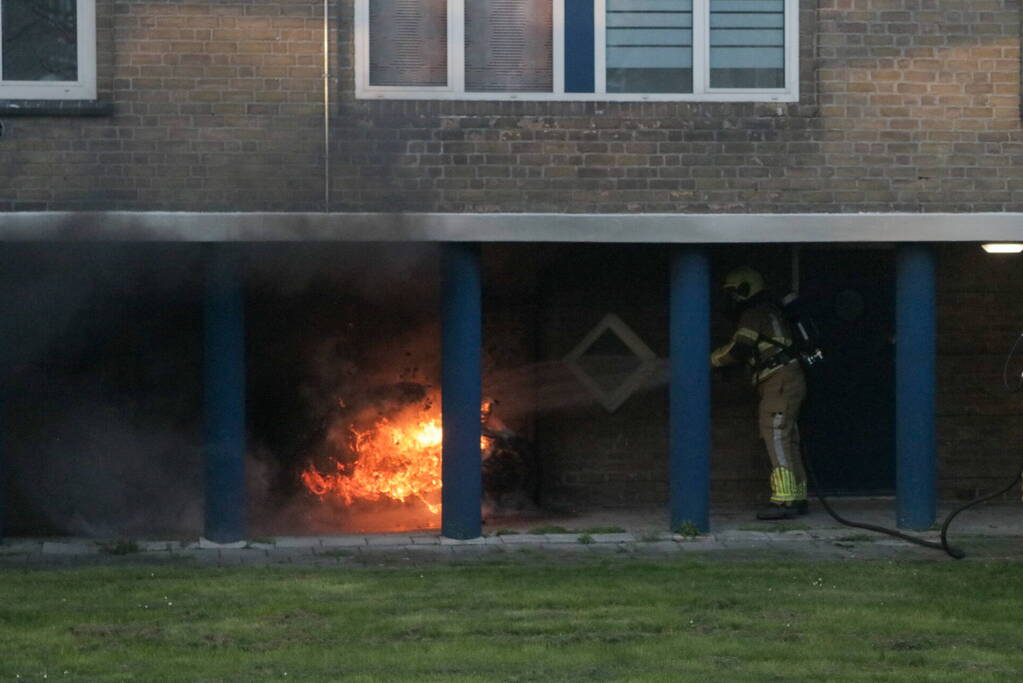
(985, 533)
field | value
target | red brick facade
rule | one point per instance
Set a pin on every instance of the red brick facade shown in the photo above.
(905, 106)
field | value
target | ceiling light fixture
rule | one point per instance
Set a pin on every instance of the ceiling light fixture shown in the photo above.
(1002, 247)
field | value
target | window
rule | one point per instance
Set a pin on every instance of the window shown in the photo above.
(654, 50)
(48, 49)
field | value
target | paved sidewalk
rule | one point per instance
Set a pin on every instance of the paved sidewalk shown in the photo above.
(988, 532)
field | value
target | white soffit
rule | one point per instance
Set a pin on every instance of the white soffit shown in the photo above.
(508, 227)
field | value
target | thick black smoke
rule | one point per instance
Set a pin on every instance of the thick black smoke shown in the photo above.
(101, 389)
(102, 372)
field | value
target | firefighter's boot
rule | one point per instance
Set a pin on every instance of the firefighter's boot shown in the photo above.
(778, 511)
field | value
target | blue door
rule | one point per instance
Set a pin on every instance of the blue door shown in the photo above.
(848, 421)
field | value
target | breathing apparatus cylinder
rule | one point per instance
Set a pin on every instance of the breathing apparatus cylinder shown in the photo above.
(805, 332)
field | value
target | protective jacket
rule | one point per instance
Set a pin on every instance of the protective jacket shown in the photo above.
(760, 341)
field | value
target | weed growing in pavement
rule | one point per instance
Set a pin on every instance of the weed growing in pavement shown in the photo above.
(780, 527)
(541, 530)
(858, 538)
(122, 546)
(688, 529)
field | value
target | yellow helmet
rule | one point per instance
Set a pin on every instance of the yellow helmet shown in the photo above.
(744, 283)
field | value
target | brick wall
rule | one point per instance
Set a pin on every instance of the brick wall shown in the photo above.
(907, 105)
(216, 107)
(592, 457)
(980, 424)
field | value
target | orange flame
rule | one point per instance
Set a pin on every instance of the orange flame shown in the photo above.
(398, 459)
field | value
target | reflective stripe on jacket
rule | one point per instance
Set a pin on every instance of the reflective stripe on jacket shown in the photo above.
(750, 344)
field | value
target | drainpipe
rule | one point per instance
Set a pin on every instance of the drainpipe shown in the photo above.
(689, 472)
(461, 381)
(224, 396)
(326, 106)
(915, 439)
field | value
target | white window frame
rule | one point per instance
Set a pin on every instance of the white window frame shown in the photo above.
(455, 90)
(82, 89)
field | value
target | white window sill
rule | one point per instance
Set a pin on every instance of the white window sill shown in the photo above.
(746, 96)
(10, 108)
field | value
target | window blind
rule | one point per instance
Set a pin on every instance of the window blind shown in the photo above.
(747, 43)
(509, 45)
(408, 42)
(649, 46)
(614, 50)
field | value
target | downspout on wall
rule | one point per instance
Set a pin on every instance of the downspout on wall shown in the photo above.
(326, 106)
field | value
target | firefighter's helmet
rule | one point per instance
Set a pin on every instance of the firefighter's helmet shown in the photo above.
(742, 284)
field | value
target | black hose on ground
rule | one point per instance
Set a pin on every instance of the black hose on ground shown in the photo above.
(943, 544)
(976, 501)
(934, 545)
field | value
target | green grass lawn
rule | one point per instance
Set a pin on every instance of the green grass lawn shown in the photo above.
(610, 619)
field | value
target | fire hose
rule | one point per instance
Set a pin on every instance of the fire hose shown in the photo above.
(943, 544)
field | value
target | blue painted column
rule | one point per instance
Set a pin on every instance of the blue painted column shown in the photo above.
(461, 379)
(224, 395)
(690, 388)
(915, 440)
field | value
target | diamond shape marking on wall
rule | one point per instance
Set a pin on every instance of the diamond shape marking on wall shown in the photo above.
(642, 362)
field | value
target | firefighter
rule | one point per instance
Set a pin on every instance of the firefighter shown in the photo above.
(762, 341)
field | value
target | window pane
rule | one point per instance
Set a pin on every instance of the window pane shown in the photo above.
(509, 45)
(40, 40)
(747, 43)
(408, 42)
(650, 46)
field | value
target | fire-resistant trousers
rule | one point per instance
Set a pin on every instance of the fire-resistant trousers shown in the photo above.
(781, 396)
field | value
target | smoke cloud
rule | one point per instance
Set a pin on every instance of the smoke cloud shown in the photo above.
(102, 374)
